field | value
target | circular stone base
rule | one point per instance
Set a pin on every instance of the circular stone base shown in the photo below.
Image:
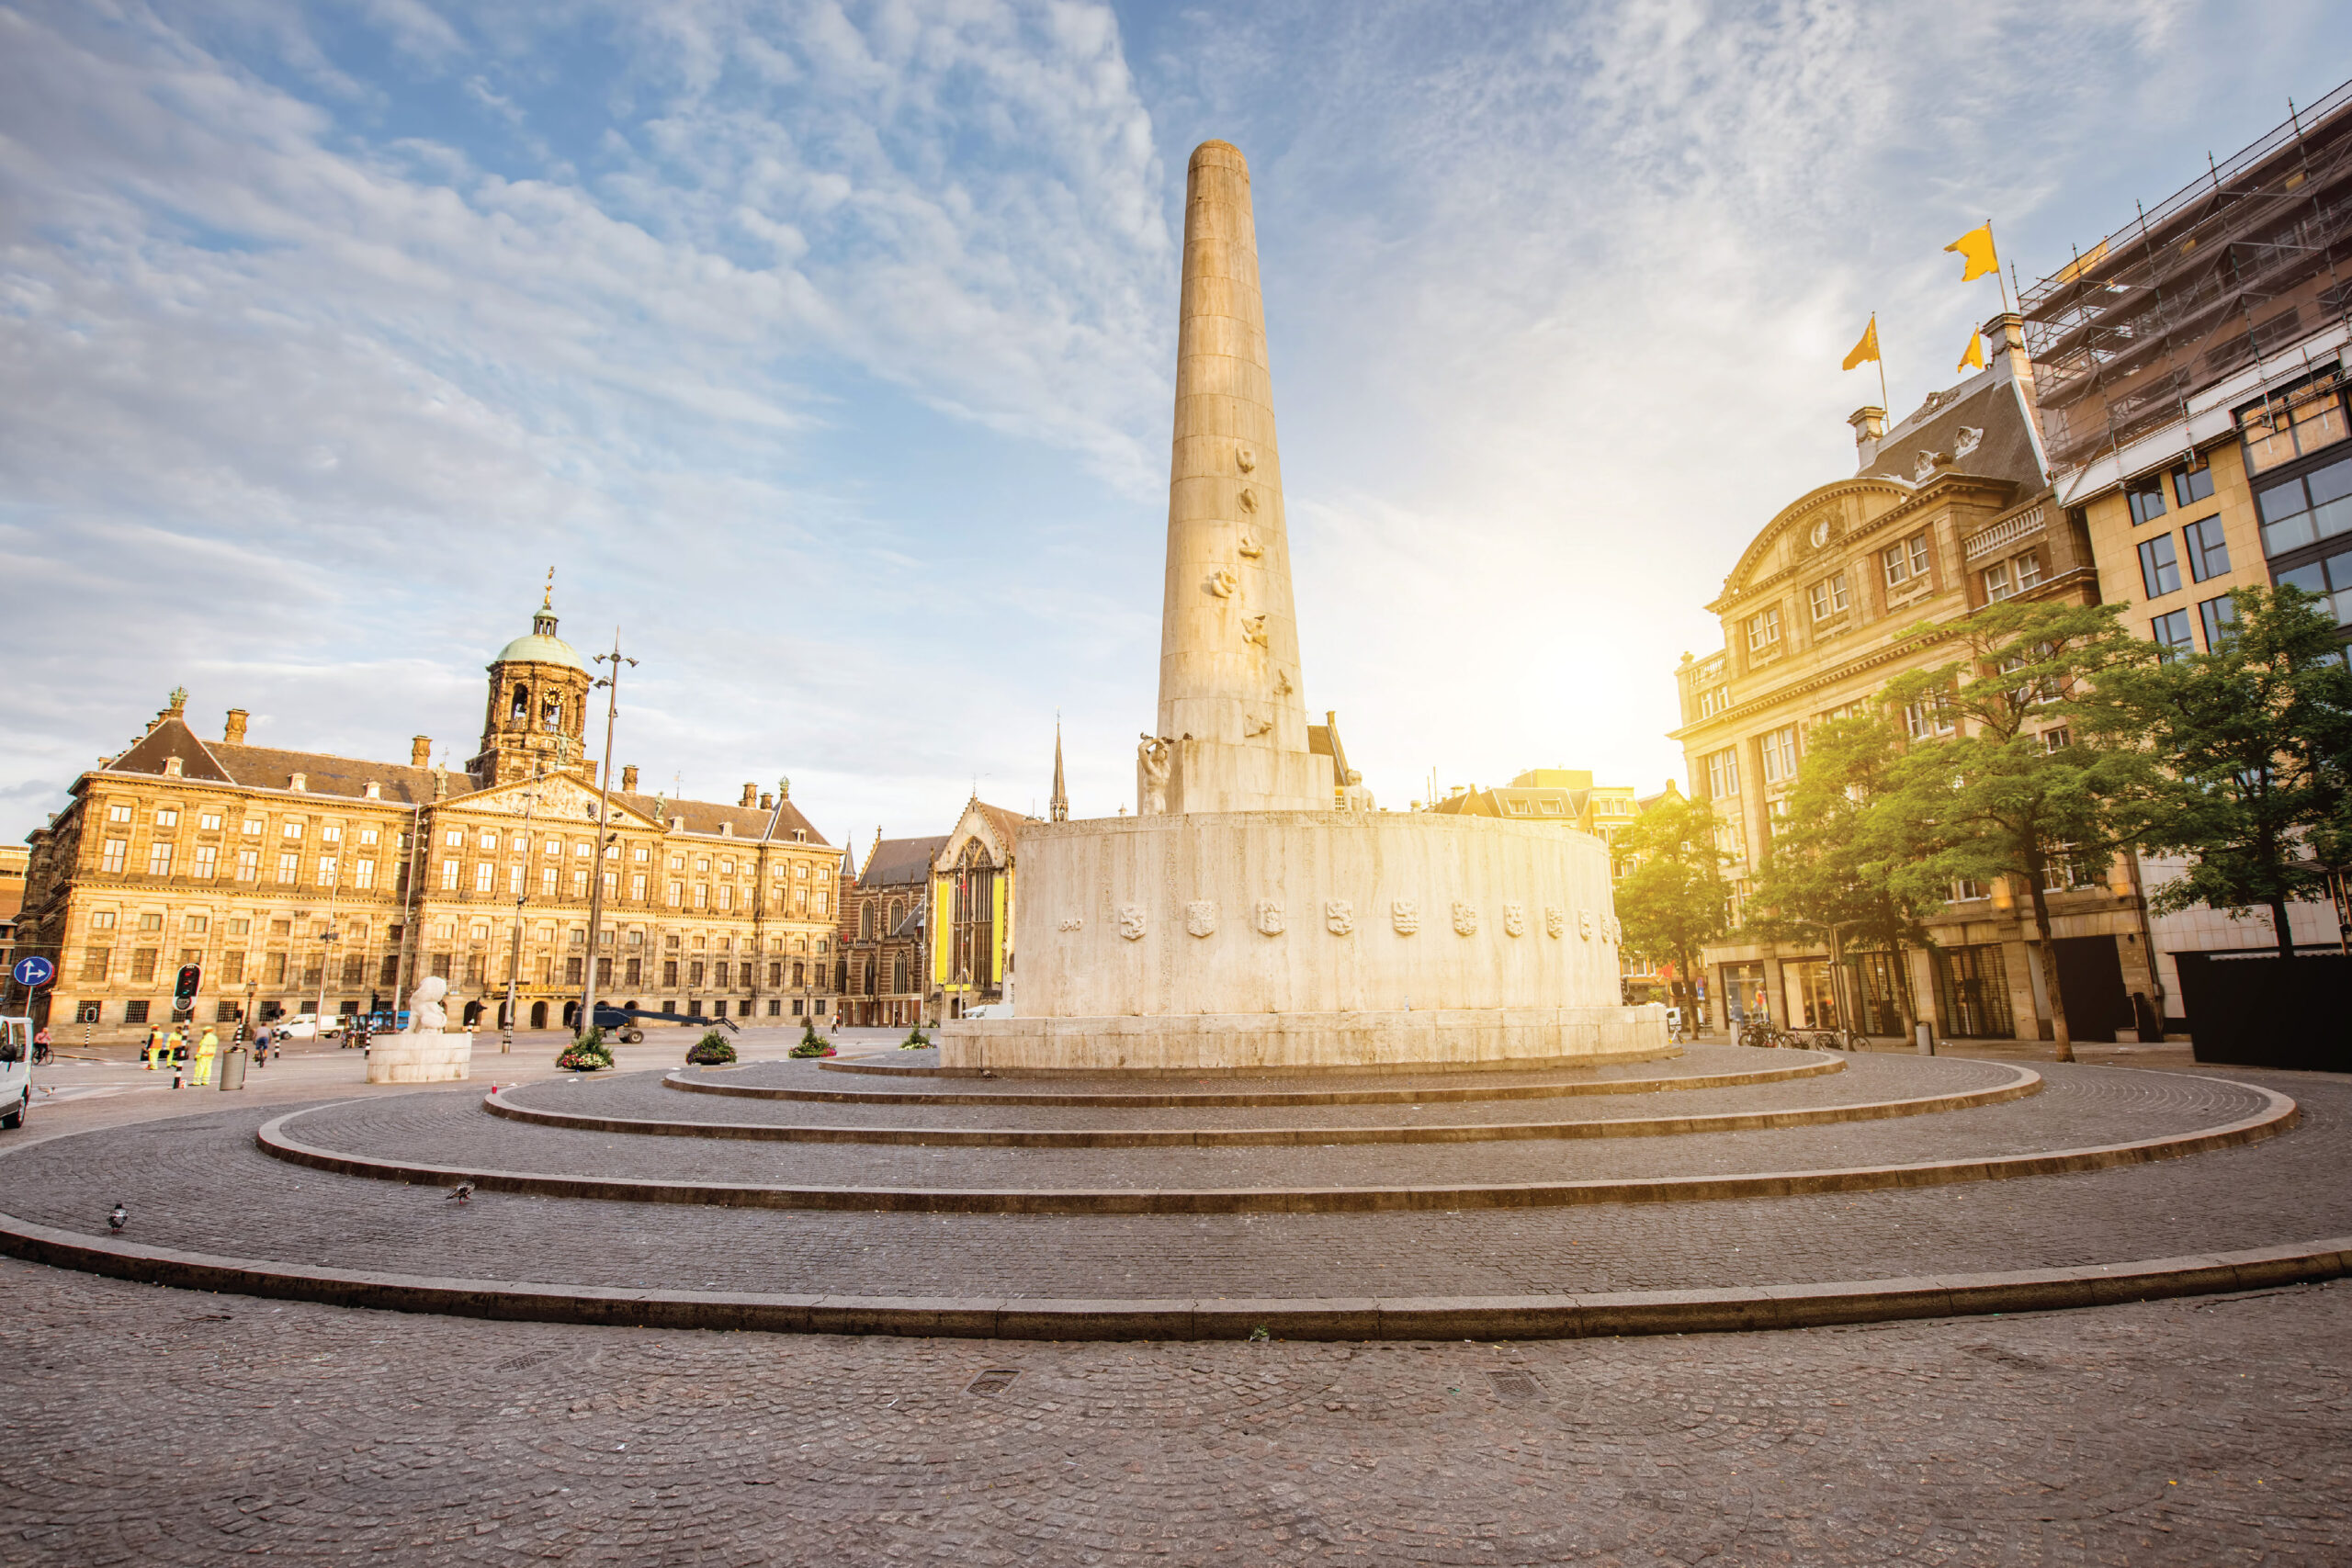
(1405, 1039)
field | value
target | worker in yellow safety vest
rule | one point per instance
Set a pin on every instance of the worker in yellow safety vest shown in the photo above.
(205, 1050)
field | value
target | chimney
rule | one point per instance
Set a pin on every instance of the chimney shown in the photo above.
(419, 751)
(235, 734)
(628, 778)
(297, 781)
(767, 803)
(1870, 427)
(2005, 335)
(751, 795)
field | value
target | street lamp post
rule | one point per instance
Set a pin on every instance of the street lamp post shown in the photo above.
(514, 953)
(612, 683)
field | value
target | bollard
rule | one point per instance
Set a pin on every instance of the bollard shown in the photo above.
(232, 1068)
(1927, 1039)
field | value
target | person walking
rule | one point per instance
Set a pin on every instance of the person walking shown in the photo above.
(151, 1053)
(205, 1049)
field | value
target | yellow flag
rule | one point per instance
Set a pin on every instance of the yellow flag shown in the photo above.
(1975, 248)
(1975, 358)
(1867, 348)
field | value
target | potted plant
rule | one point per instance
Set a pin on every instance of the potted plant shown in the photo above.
(586, 1054)
(711, 1050)
(811, 1043)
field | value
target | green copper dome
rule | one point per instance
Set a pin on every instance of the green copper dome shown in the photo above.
(542, 645)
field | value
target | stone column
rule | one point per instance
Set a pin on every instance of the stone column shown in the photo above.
(1230, 698)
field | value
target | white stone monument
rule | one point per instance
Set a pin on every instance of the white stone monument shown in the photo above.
(425, 1052)
(1250, 918)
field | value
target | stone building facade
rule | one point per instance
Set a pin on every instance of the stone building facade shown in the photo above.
(1949, 511)
(298, 880)
(884, 938)
(926, 929)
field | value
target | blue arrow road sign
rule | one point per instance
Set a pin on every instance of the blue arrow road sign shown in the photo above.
(35, 972)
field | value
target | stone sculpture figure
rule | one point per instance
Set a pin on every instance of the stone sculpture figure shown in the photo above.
(425, 1013)
(1151, 766)
(1223, 583)
(1250, 547)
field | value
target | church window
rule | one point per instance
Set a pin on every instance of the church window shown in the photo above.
(865, 922)
(893, 921)
(248, 865)
(636, 888)
(118, 812)
(290, 867)
(899, 976)
(363, 873)
(327, 871)
(114, 850)
(167, 816)
(483, 873)
(449, 877)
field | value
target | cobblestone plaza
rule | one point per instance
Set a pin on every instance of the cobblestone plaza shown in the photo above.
(172, 1424)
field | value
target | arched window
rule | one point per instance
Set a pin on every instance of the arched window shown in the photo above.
(865, 922)
(521, 711)
(551, 714)
(899, 976)
(894, 920)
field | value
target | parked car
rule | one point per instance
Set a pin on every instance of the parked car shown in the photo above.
(305, 1026)
(16, 1070)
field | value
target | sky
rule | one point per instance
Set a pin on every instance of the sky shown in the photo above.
(825, 352)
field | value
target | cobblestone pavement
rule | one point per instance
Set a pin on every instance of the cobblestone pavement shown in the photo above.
(2079, 1107)
(163, 1427)
(648, 1097)
(198, 1184)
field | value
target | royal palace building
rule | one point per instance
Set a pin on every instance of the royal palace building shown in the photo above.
(300, 881)
(1948, 511)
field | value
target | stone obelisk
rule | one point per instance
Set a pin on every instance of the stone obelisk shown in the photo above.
(1232, 716)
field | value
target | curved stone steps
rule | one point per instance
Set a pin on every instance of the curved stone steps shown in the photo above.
(2020, 1082)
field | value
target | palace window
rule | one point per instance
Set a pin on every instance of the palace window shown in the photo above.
(817, 904)
(1780, 755)
(514, 874)
(643, 854)
(449, 877)
(1722, 773)
(1905, 561)
(159, 860)
(574, 970)
(367, 836)
(115, 849)
(167, 816)
(669, 972)
(142, 965)
(635, 971)
(702, 894)
(209, 821)
(718, 975)
(636, 888)
(289, 868)
(726, 895)
(233, 968)
(331, 832)
(1764, 631)
(118, 812)
(694, 972)
(248, 865)
(489, 839)
(484, 872)
(611, 885)
(327, 871)
(580, 848)
(252, 829)
(1828, 597)
(94, 964)
(207, 860)
(579, 885)
(547, 882)
(454, 839)
(677, 894)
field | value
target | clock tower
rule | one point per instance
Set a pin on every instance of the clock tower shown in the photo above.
(539, 707)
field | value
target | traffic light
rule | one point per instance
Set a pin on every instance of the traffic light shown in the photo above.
(183, 993)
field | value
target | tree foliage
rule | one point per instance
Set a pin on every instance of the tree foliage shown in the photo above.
(1674, 899)
(2255, 740)
(2017, 786)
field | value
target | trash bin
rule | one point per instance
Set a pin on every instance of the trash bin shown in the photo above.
(233, 1066)
(1927, 1039)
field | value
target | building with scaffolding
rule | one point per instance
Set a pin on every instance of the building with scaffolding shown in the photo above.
(2191, 383)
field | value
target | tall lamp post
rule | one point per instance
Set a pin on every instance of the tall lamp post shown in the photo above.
(521, 896)
(612, 684)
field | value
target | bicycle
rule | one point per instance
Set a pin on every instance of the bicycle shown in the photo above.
(1760, 1033)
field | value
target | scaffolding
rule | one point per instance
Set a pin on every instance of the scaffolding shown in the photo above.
(2237, 268)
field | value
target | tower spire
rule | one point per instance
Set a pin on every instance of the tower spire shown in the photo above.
(1060, 807)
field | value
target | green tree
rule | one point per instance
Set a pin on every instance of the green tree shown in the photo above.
(1845, 860)
(2012, 789)
(1674, 899)
(2253, 735)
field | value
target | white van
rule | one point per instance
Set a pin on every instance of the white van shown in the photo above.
(16, 1070)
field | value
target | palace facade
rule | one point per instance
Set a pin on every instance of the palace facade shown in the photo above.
(301, 882)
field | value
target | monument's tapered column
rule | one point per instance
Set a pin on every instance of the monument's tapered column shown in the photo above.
(1230, 703)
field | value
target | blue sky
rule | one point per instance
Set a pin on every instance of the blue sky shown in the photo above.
(824, 350)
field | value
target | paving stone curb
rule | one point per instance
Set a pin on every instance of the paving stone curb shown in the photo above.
(2278, 1114)
(1823, 1063)
(1425, 1317)
(2025, 1081)
(1353, 1070)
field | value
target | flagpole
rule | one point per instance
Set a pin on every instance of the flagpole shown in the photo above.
(2005, 306)
(1884, 401)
